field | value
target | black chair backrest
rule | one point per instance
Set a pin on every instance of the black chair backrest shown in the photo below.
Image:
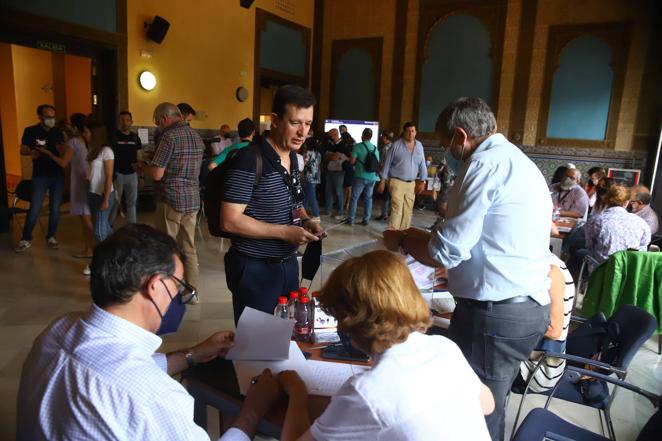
(23, 190)
(652, 429)
(635, 327)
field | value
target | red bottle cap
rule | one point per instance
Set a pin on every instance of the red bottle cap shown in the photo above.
(303, 290)
(294, 294)
(316, 293)
(304, 300)
(282, 300)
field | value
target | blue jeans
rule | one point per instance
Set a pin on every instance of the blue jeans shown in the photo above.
(40, 184)
(311, 198)
(100, 219)
(365, 186)
(334, 181)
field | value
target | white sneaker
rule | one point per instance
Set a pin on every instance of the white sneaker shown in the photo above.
(340, 217)
(22, 246)
(316, 219)
(52, 243)
(87, 271)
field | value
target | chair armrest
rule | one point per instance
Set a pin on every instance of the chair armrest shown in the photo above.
(655, 399)
(582, 360)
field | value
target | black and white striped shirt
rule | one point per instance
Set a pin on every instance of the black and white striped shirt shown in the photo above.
(269, 201)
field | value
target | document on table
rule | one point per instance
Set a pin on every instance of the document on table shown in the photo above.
(321, 377)
(261, 336)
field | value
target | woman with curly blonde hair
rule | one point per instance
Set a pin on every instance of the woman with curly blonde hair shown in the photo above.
(420, 386)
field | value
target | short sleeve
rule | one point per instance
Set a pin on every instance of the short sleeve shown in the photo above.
(107, 154)
(163, 152)
(58, 135)
(240, 179)
(139, 144)
(348, 417)
(27, 138)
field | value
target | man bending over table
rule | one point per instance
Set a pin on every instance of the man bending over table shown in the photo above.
(495, 245)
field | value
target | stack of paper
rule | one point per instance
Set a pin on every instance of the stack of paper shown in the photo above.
(263, 342)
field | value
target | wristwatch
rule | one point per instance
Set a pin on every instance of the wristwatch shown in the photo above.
(189, 358)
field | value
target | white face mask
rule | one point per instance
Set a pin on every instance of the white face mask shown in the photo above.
(49, 122)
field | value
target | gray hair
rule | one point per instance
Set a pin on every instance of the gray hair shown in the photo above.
(471, 114)
(166, 109)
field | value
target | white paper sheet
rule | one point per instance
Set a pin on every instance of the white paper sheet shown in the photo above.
(321, 377)
(143, 134)
(247, 370)
(261, 336)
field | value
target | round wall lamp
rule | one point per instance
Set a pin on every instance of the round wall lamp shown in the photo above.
(241, 94)
(147, 80)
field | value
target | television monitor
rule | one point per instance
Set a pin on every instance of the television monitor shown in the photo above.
(354, 127)
(629, 177)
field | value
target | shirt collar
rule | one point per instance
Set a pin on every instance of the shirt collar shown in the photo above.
(490, 142)
(273, 157)
(410, 346)
(122, 329)
(616, 209)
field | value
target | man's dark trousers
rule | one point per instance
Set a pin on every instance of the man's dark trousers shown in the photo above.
(495, 338)
(258, 282)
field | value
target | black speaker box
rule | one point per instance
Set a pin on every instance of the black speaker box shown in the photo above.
(245, 3)
(157, 30)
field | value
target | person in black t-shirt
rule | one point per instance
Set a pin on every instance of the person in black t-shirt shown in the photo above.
(126, 146)
(50, 155)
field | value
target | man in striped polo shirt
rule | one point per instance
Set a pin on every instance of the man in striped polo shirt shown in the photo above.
(266, 215)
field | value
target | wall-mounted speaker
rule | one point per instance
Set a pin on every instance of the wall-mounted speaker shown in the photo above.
(157, 29)
(245, 3)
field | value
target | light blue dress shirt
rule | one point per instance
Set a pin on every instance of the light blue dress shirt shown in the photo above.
(404, 165)
(94, 376)
(495, 242)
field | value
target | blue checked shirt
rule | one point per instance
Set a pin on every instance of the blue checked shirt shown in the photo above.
(95, 376)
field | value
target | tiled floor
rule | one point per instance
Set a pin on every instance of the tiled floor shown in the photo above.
(42, 284)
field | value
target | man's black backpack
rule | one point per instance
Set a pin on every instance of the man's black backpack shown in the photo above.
(371, 163)
(213, 189)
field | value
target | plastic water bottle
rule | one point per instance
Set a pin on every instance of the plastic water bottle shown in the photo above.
(282, 310)
(312, 306)
(303, 292)
(311, 313)
(302, 327)
(292, 305)
(557, 213)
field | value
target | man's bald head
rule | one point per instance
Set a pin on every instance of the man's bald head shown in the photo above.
(166, 114)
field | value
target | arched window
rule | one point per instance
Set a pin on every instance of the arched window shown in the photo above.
(356, 78)
(581, 90)
(458, 63)
(583, 84)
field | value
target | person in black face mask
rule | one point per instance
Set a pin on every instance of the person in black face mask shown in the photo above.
(96, 375)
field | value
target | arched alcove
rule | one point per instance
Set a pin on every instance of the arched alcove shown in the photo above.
(458, 63)
(581, 90)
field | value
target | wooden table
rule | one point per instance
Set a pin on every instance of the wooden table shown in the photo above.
(215, 384)
(556, 241)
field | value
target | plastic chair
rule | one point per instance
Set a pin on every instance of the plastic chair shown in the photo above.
(541, 424)
(635, 327)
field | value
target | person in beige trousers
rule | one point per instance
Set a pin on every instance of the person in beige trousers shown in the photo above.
(404, 163)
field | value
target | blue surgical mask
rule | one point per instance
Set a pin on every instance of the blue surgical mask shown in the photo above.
(174, 315)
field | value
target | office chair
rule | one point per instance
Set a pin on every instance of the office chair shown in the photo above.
(634, 326)
(542, 424)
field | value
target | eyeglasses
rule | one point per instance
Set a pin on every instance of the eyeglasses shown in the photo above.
(187, 291)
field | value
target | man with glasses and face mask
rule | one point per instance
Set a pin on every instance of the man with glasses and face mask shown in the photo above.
(495, 246)
(95, 375)
(44, 143)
